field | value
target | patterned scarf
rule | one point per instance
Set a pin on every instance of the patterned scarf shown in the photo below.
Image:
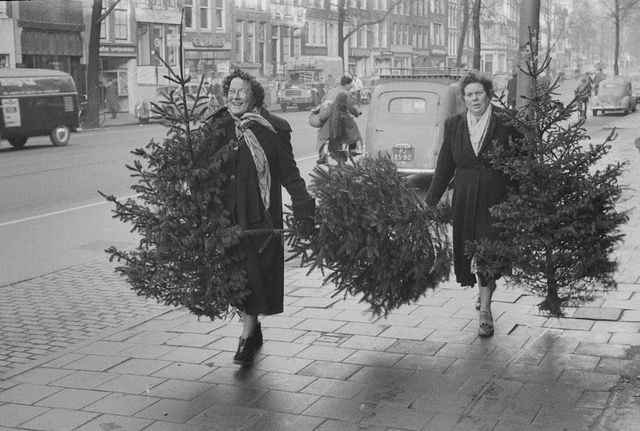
(259, 158)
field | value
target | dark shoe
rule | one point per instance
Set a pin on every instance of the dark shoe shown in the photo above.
(246, 352)
(485, 327)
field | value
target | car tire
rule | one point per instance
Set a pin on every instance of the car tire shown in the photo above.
(60, 136)
(18, 142)
(283, 107)
(594, 112)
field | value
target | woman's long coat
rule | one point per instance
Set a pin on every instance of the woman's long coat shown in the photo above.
(476, 188)
(265, 268)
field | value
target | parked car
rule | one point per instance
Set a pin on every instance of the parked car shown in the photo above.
(634, 77)
(614, 95)
(37, 102)
(144, 111)
(406, 118)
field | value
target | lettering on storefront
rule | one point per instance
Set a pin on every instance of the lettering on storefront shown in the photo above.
(162, 4)
(129, 51)
(208, 42)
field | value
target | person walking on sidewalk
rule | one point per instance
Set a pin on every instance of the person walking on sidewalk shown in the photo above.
(469, 140)
(339, 133)
(260, 164)
(111, 97)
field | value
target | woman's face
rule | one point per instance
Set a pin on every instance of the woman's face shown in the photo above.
(476, 99)
(240, 97)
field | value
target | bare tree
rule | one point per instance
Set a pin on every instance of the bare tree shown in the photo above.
(617, 12)
(463, 32)
(365, 18)
(475, 20)
(93, 61)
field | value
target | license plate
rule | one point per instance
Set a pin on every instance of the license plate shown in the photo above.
(402, 153)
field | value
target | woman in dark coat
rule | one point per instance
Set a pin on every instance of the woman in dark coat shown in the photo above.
(469, 138)
(260, 164)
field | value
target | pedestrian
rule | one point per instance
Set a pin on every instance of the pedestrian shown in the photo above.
(111, 97)
(339, 132)
(582, 93)
(346, 84)
(260, 164)
(597, 79)
(512, 90)
(357, 88)
(469, 140)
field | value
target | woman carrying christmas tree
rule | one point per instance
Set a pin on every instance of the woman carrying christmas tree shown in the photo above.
(260, 163)
(469, 139)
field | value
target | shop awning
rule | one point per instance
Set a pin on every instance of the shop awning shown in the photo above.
(38, 42)
(157, 15)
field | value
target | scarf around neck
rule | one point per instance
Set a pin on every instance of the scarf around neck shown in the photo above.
(478, 128)
(243, 124)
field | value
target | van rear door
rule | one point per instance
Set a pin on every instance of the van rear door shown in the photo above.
(405, 126)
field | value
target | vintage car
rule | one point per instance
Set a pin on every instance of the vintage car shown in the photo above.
(614, 95)
(634, 77)
(406, 118)
(144, 111)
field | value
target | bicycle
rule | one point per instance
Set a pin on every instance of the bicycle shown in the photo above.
(82, 114)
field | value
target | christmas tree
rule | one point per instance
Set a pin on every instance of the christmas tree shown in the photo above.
(560, 225)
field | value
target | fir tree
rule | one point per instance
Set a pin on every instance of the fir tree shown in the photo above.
(188, 252)
(376, 239)
(560, 225)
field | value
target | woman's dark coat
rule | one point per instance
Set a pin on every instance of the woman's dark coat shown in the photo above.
(265, 269)
(476, 188)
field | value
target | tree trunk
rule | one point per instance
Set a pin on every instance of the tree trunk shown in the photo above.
(529, 27)
(463, 32)
(476, 34)
(342, 13)
(616, 52)
(93, 66)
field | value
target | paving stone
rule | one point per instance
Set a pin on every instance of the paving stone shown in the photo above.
(338, 425)
(325, 353)
(374, 359)
(130, 384)
(357, 328)
(41, 376)
(284, 402)
(179, 389)
(630, 316)
(72, 399)
(577, 418)
(182, 370)
(115, 423)
(561, 361)
(143, 367)
(178, 411)
(334, 388)
(340, 409)
(368, 343)
(151, 351)
(232, 376)
(589, 381)
(233, 395)
(121, 404)
(607, 350)
(172, 426)
(282, 382)
(276, 421)
(84, 379)
(188, 354)
(594, 400)
(59, 420)
(191, 340)
(330, 370)
(623, 367)
(26, 393)
(597, 313)
(95, 363)
(281, 348)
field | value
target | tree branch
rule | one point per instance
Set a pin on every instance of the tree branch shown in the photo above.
(106, 13)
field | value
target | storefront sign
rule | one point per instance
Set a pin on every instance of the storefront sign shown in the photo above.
(208, 42)
(287, 14)
(119, 50)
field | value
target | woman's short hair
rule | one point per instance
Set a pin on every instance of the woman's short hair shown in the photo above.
(256, 87)
(345, 80)
(473, 77)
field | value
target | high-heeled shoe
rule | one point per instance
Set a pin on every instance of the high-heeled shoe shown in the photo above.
(485, 326)
(245, 353)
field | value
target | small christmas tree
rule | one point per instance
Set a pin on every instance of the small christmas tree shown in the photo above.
(560, 226)
(376, 237)
(188, 253)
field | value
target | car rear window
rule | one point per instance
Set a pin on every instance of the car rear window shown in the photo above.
(408, 105)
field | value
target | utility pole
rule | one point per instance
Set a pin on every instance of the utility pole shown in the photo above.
(529, 25)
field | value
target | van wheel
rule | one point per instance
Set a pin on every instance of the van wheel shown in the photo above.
(18, 142)
(283, 107)
(60, 136)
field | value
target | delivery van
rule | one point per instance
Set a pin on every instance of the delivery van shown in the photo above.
(37, 102)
